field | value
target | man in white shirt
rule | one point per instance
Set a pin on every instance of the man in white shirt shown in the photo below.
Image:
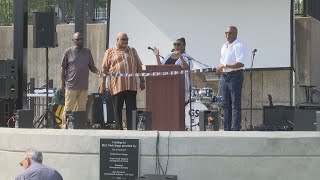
(231, 70)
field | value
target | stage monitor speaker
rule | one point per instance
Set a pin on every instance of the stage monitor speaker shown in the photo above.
(80, 119)
(158, 177)
(8, 87)
(26, 117)
(44, 29)
(7, 107)
(144, 116)
(95, 108)
(278, 116)
(305, 120)
(206, 116)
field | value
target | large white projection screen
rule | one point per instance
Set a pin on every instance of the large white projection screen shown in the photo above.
(262, 24)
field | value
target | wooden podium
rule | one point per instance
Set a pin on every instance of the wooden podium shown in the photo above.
(165, 98)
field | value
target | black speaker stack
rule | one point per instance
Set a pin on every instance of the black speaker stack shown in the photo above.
(8, 90)
(288, 118)
(8, 79)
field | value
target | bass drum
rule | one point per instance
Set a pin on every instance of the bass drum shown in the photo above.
(196, 107)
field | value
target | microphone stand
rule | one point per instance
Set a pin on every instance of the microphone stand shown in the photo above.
(190, 109)
(191, 59)
(189, 75)
(252, 59)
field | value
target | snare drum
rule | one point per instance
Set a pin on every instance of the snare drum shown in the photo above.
(196, 107)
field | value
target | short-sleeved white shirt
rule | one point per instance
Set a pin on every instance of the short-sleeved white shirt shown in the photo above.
(232, 53)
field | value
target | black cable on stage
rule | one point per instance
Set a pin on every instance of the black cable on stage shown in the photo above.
(165, 172)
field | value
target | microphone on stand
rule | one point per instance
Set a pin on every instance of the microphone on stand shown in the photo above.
(153, 50)
(254, 52)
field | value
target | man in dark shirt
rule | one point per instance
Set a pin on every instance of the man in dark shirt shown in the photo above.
(75, 66)
(34, 169)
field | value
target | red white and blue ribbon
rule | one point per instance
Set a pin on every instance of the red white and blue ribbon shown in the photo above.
(166, 73)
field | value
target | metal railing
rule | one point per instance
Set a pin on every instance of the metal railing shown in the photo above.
(37, 103)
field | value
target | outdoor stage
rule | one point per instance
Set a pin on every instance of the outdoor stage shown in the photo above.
(194, 155)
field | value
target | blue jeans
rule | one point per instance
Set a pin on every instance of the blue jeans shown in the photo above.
(231, 88)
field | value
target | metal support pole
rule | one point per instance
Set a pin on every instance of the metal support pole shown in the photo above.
(80, 20)
(108, 23)
(63, 11)
(305, 4)
(91, 10)
(20, 22)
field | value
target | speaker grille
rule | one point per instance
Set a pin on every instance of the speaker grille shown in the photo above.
(25, 118)
(141, 115)
(3, 68)
(44, 29)
(3, 87)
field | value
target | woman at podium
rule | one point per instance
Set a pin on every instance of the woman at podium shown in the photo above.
(177, 56)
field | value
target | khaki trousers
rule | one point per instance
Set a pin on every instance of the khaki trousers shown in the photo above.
(71, 97)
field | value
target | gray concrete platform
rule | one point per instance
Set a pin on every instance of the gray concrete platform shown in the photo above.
(192, 155)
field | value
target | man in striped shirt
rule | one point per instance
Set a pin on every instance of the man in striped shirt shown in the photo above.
(125, 60)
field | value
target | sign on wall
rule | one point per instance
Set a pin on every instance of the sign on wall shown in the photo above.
(119, 159)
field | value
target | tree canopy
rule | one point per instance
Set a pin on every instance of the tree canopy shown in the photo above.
(6, 8)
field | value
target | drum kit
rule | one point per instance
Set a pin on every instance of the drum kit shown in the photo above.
(201, 99)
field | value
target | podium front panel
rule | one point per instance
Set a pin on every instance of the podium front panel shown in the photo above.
(165, 98)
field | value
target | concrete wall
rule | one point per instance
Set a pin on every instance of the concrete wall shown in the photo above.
(307, 31)
(274, 82)
(192, 155)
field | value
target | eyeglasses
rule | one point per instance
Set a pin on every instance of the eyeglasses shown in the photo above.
(124, 39)
(176, 44)
(78, 39)
(21, 163)
(228, 32)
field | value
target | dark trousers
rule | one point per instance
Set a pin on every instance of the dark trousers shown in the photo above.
(131, 104)
(231, 88)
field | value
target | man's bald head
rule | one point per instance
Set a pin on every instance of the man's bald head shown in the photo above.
(78, 40)
(76, 35)
(121, 34)
(122, 40)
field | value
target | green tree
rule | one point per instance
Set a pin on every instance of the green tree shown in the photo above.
(6, 14)
(6, 8)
